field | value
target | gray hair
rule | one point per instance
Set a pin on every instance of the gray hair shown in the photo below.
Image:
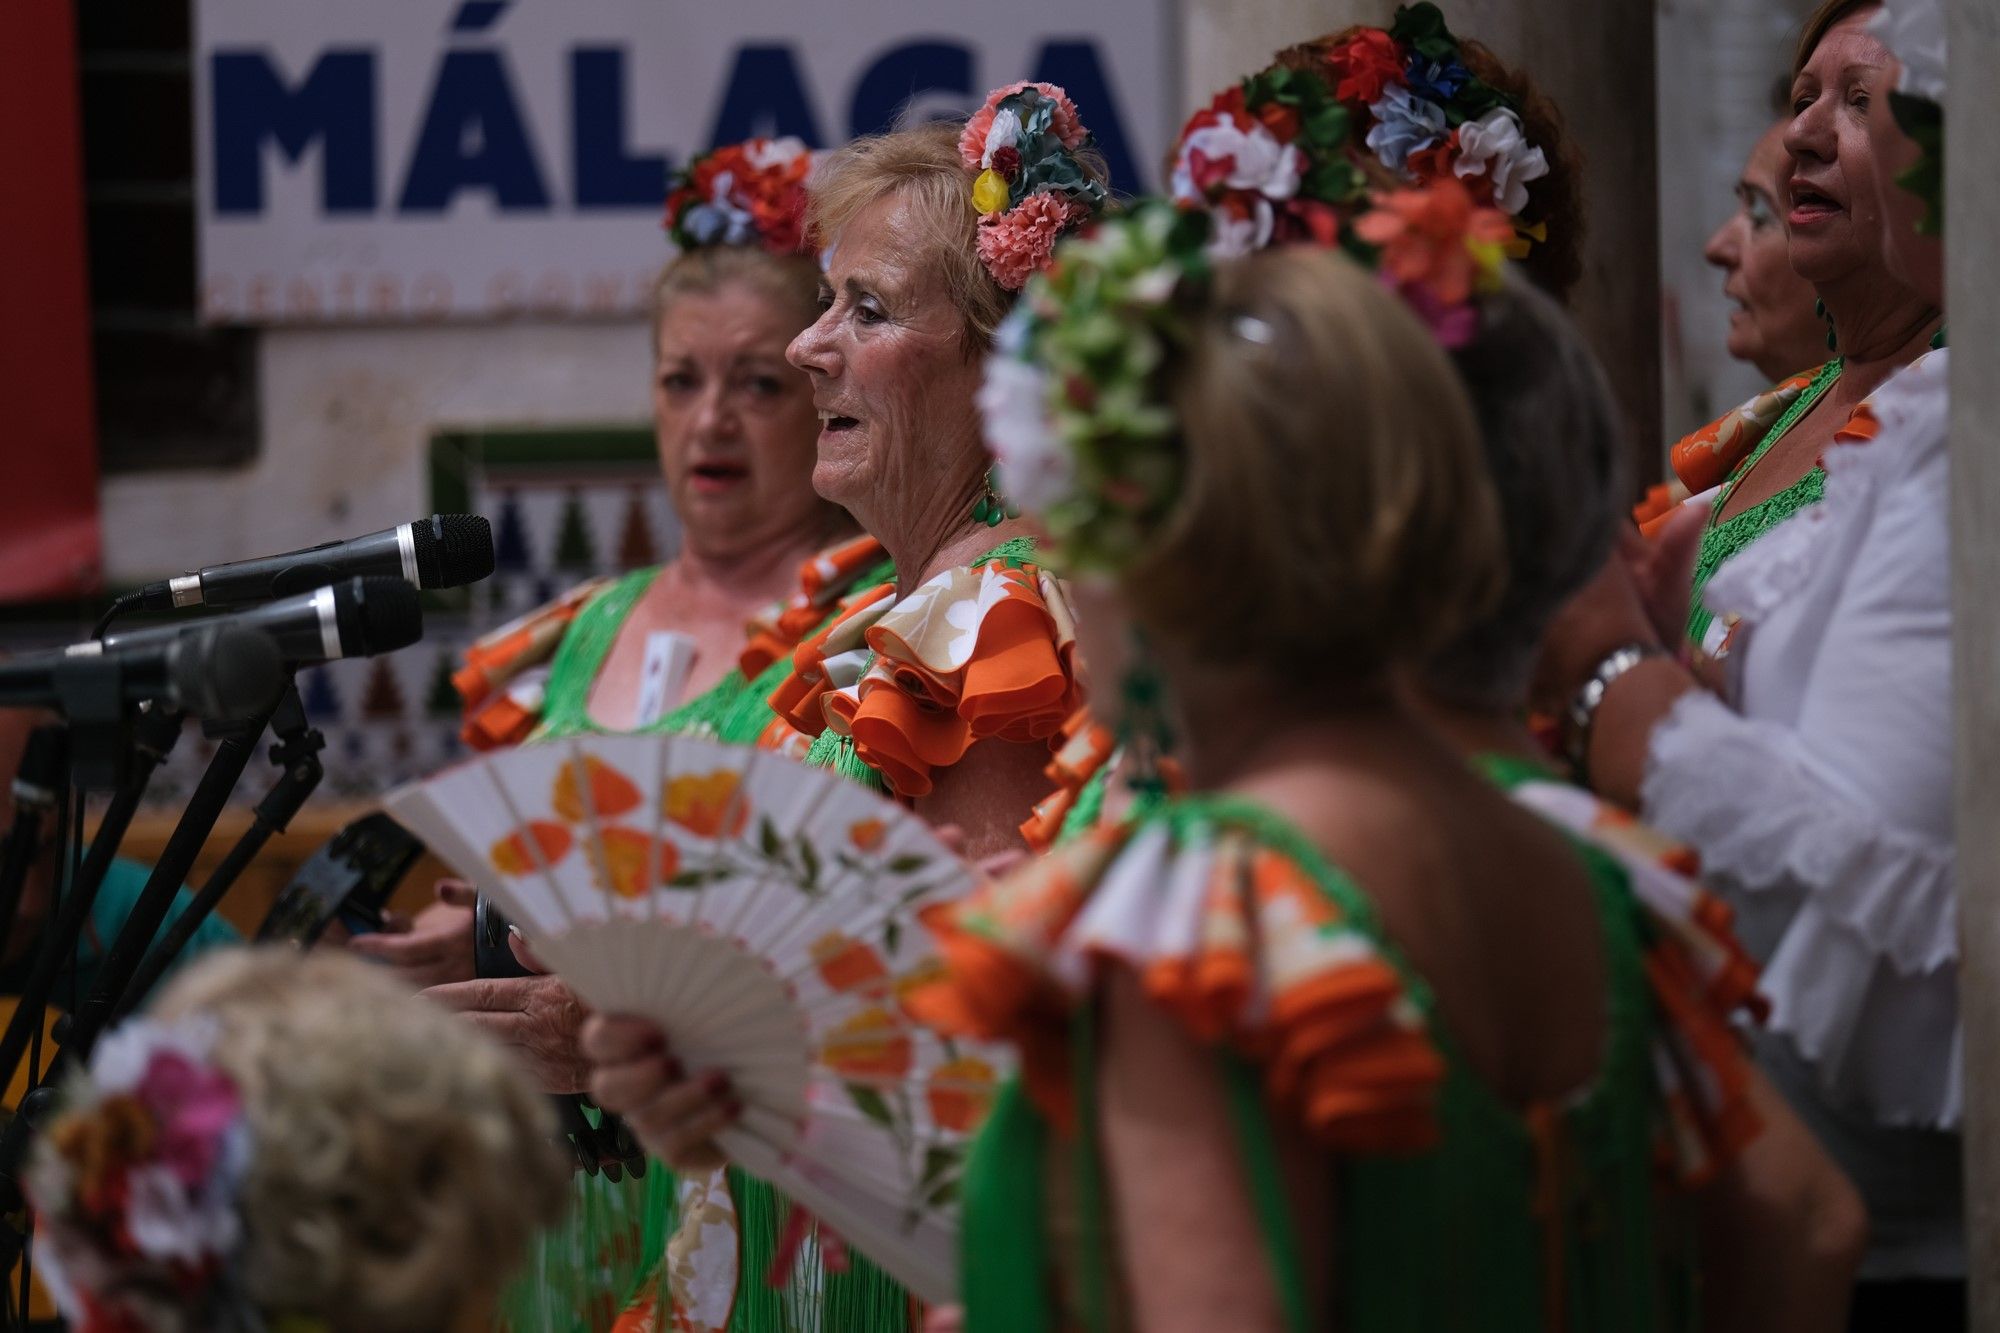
(1557, 455)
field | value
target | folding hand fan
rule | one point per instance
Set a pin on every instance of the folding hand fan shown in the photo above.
(764, 914)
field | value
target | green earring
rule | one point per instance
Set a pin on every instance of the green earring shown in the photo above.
(991, 508)
(1832, 342)
(1143, 729)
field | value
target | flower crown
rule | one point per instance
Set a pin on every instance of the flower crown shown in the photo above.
(1289, 154)
(1075, 401)
(1029, 185)
(136, 1183)
(751, 194)
(1076, 415)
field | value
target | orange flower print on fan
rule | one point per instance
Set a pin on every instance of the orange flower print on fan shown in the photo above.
(871, 1044)
(705, 804)
(926, 973)
(611, 793)
(866, 834)
(512, 855)
(848, 964)
(960, 1092)
(626, 854)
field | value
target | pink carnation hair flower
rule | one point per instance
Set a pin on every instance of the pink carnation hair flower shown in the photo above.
(1068, 126)
(1016, 244)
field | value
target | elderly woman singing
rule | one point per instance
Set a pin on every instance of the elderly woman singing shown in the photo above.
(946, 687)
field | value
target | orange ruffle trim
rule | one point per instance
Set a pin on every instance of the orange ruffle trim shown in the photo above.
(1342, 1050)
(1083, 747)
(501, 704)
(981, 653)
(823, 580)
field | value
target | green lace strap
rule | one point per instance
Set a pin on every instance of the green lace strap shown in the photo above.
(580, 655)
(1722, 539)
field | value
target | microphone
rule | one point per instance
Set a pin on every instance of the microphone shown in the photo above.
(358, 618)
(442, 551)
(220, 672)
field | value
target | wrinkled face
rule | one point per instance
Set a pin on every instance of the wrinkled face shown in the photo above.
(733, 420)
(1917, 260)
(1773, 326)
(1834, 207)
(893, 378)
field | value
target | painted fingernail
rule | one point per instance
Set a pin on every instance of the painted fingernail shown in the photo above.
(715, 1083)
(732, 1108)
(675, 1074)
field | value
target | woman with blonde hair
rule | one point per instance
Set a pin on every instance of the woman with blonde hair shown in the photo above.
(947, 687)
(1354, 1037)
(290, 1142)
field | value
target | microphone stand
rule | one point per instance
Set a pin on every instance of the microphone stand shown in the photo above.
(297, 756)
(43, 773)
(170, 871)
(152, 736)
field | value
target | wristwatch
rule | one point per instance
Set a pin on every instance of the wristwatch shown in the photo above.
(1582, 715)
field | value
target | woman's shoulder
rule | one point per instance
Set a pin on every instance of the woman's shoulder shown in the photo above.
(978, 652)
(1240, 930)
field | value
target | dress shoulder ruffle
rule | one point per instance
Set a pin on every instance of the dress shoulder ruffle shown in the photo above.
(1701, 980)
(1234, 938)
(983, 652)
(502, 678)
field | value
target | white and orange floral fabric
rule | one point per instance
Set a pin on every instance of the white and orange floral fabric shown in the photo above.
(978, 653)
(1233, 937)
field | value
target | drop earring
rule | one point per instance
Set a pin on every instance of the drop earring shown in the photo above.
(1832, 341)
(991, 507)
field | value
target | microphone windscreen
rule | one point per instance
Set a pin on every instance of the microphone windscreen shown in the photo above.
(226, 672)
(376, 615)
(452, 550)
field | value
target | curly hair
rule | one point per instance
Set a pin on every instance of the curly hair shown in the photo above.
(401, 1160)
(1555, 264)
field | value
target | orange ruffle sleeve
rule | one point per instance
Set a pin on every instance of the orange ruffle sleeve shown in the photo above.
(1702, 981)
(499, 680)
(823, 581)
(1235, 940)
(986, 652)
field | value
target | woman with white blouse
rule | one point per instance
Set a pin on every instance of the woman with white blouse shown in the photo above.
(1803, 744)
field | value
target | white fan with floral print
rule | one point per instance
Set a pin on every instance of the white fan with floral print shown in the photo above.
(764, 914)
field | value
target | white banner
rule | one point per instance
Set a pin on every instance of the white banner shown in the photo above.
(428, 159)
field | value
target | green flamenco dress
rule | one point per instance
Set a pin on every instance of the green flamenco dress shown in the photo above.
(1456, 1210)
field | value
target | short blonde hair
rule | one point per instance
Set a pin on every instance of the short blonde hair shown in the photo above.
(1335, 519)
(923, 166)
(402, 1161)
(790, 282)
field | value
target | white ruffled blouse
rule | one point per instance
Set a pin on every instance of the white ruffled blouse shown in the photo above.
(1820, 795)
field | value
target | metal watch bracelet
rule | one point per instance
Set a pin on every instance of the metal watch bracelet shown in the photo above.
(1582, 715)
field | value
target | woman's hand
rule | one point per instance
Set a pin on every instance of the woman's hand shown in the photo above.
(538, 1018)
(634, 1077)
(1606, 614)
(433, 949)
(1663, 568)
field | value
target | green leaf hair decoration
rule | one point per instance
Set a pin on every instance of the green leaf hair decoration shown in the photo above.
(1075, 398)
